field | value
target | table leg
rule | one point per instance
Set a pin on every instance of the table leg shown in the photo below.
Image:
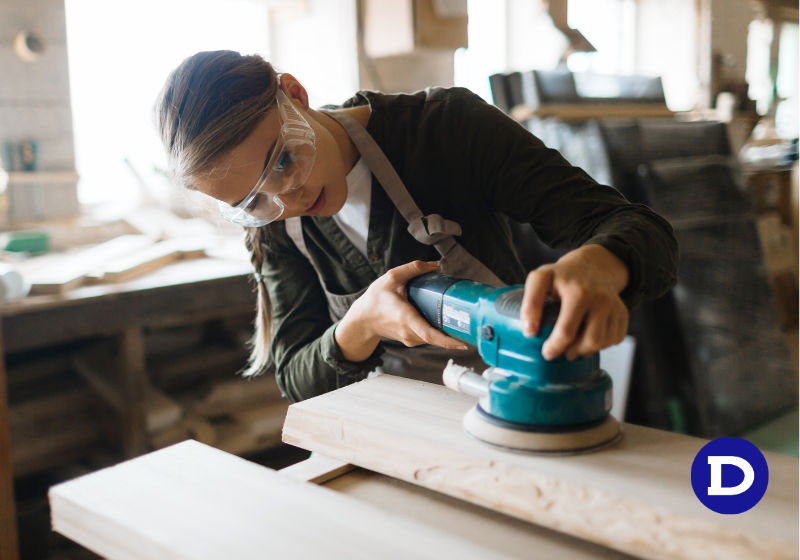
(9, 545)
(133, 382)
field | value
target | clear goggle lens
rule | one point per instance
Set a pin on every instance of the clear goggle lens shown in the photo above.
(287, 170)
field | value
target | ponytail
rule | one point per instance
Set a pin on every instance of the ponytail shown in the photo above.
(259, 359)
(208, 105)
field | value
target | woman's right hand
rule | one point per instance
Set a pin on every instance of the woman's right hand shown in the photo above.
(384, 311)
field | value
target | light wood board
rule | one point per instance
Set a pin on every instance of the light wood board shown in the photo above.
(469, 522)
(193, 501)
(59, 273)
(587, 111)
(317, 469)
(148, 259)
(635, 497)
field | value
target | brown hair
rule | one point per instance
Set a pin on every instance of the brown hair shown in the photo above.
(209, 104)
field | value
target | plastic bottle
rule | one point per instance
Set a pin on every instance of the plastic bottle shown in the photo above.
(13, 285)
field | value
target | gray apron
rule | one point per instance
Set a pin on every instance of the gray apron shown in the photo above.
(420, 362)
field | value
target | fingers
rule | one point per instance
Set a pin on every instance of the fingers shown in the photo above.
(537, 287)
(405, 272)
(591, 339)
(606, 325)
(437, 338)
(570, 318)
(423, 333)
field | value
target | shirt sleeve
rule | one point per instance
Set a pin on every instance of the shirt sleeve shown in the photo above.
(308, 361)
(529, 182)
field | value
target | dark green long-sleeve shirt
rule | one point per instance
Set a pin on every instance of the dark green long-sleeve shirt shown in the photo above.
(467, 161)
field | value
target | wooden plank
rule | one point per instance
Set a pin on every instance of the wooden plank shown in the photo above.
(97, 367)
(225, 397)
(251, 430)
(635, 497)
(501, 533)
(588, 111)
(161, 412)
(147, 259)
(57, 274)
(9, 544)
(193, 501)
(76, 436)
(190, 427)
(318, 469)
(49, 408)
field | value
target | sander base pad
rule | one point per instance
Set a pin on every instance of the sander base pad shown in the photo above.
(580, 441)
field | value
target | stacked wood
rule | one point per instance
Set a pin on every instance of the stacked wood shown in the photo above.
(189, 427)
(97, 366)
(232, 395)
(145, 260)
(59, 273)
(120, 259)
(197, 367)
(55, 418)
(237, 415)
(252, 430)
(54, 428)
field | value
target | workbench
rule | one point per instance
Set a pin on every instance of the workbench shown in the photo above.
(423, 489)
(177, 294)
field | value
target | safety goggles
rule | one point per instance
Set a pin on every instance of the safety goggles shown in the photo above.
(286, 171)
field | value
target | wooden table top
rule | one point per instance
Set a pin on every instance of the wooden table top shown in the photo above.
(180, 291)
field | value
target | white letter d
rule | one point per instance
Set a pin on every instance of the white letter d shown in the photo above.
(716, 488)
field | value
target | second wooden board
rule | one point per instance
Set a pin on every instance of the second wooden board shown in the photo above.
(635, 497)
(191, 501)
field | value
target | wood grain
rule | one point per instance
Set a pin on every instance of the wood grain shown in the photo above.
(634, 497)
(193, 501)
(469, 522)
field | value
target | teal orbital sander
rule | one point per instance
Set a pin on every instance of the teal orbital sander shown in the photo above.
(525, 402)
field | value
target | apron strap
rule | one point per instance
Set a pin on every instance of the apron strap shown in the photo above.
(429, 230)
(380, 165)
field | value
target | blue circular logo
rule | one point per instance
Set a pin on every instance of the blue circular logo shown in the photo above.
(729, 475)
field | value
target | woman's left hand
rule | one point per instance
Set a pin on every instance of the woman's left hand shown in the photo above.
(588, 281)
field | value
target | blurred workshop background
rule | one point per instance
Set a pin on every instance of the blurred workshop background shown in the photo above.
(126, 304)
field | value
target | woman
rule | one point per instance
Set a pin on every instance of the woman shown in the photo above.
(344, 207)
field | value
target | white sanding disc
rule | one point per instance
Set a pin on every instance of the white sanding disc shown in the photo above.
(603, 434)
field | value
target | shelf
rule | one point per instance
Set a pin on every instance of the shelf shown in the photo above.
(43, 176)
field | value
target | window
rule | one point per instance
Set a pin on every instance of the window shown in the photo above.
(786, 113)
(120, 54)
(631, 37)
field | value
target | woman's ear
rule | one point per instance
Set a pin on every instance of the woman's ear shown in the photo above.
(294, 90)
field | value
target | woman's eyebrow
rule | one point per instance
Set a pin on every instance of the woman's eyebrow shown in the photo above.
(263, 169)
(269, 155)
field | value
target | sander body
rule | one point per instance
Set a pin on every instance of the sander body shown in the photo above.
(525, 401)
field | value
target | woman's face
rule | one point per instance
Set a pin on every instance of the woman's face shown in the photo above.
(236, 172)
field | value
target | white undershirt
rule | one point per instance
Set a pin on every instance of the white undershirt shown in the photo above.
(353, 218)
